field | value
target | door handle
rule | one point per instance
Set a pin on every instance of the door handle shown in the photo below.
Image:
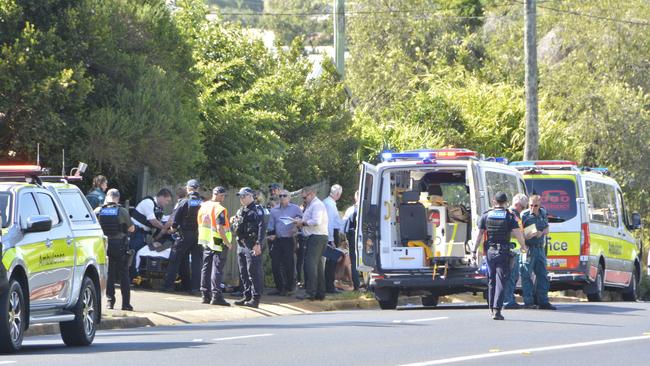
(48, 243)
(68, 240)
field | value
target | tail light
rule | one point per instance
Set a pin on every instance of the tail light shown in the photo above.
(585, 239)
(435, 218)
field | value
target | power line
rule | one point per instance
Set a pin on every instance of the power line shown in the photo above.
(588, 15)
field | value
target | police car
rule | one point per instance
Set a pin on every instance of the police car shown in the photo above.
(53, 258)
(591, 243)
(418, 213)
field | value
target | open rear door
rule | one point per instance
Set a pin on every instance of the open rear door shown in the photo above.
(368, 218)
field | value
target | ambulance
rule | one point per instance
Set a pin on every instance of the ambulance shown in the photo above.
(418, 213)
(591, 245)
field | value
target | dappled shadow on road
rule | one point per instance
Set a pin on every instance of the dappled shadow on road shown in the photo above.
(61, 349)
(602, 308)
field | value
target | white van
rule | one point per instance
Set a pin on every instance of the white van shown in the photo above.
(591, 244)
(418, 213)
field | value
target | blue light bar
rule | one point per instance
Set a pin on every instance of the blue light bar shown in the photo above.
(498, 159)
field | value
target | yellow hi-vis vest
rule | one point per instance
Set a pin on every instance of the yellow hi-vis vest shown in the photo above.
(207, 219)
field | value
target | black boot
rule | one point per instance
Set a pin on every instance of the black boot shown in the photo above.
(219, 300)
(110, 303)
(242, 301)
(254, 303)
(497, 315)
(205, 297)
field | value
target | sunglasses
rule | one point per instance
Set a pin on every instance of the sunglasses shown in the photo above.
(283, 196)
(534, 205)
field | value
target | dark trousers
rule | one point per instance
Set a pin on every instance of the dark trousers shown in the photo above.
(283, 263)
(300, 258)
(179, 262)
(330, 273)
(212, 271)
(352, 247)
(314, 266)
(138, 240)
(118, 269)
(498, 262)
(250, 272)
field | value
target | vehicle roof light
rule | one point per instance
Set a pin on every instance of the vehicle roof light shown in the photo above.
(20, 170)
(498, 159)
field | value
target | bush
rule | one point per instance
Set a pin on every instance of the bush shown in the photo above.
(644, 288)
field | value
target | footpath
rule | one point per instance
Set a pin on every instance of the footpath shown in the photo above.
(154, 308)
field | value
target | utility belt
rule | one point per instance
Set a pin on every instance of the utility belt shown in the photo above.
(501, 247)
(247, 243)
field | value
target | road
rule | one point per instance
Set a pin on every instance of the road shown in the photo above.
(576, 334)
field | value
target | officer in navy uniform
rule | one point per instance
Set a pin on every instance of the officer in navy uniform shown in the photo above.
(499, 224)
(185, 222)
(116, 224)
(250, 230)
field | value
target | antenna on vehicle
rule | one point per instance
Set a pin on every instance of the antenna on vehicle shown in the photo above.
(38, 154)
(63, 162)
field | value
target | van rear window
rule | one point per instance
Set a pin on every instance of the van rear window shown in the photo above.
(558, 197)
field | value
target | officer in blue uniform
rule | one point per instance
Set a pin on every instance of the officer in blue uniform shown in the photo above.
(116, 224)
(250, 230)
(187, 246)
(498, 224)
(537, 295)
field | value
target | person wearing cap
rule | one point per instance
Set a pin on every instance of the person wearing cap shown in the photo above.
(250, 232)
(116, 224)
(274, 194)
(535, 296)
(281, 232)
(519, 204)
(185, 223)
(214, 236)
(498, 224)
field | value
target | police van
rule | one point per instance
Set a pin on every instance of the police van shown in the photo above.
(591, 244)
(418, 213)
(53, 255)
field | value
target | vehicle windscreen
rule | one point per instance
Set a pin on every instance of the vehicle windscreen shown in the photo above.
(558, 197)
(5, 209)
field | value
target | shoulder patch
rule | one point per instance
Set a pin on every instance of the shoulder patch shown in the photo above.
(194, 203)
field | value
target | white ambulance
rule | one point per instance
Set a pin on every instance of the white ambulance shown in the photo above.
(418, 213)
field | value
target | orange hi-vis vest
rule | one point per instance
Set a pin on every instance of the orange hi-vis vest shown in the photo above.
(207, 219)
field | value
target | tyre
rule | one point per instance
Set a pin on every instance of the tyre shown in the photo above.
(430, 300)
(598, 290)
(81, 330)
(387, 298)
(13, 318)
(632, 291)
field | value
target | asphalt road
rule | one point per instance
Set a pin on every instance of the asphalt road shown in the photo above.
(578, 334)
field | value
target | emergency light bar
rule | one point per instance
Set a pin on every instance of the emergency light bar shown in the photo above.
(601, 170)
(19, 170)
(498, 159)
(448, 154)
(548, 164)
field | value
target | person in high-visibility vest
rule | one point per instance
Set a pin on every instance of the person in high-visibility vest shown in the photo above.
(214, 236)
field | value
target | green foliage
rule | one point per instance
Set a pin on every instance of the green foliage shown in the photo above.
(315, 29)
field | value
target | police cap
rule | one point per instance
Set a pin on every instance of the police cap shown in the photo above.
(275, 186)
(218, 190)
(192, 183)
(501, 197)
(245, 191)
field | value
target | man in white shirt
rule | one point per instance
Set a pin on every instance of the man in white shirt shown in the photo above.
(147, 218)
(314, 227)
(334, 226)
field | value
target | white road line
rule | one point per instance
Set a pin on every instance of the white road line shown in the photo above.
(527, 351)
(197, 340)
(243, 337)
(6, 362)
(420, 320)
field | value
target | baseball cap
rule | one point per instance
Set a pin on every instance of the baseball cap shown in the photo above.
(246, 190)
(501, 197)
(192, 183)
(275, 186)
(218, 190)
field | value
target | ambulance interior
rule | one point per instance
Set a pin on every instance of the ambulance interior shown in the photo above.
(430, 222)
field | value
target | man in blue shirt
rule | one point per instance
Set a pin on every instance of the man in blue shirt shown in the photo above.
(535, 262)
(281, 233)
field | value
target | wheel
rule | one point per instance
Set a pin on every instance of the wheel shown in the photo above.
(13, 318)
(632, 291)
(430, 300)
(387, 298)
(81, 330)
(598, 289)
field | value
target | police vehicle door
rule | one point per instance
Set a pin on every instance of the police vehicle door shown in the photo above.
(367, 218)
(48, 255)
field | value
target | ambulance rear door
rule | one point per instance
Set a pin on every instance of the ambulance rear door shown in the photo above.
(368, 218)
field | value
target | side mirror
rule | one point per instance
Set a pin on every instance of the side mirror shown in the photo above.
(636, 221)
(38, 223)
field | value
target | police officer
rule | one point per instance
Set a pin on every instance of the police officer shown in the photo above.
(116, 224)
(185, 222)
(499, 223)
(250, 236)
(535, 262)
(214, 236)
(519, 204)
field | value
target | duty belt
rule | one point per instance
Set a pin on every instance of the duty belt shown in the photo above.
(500, 246)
